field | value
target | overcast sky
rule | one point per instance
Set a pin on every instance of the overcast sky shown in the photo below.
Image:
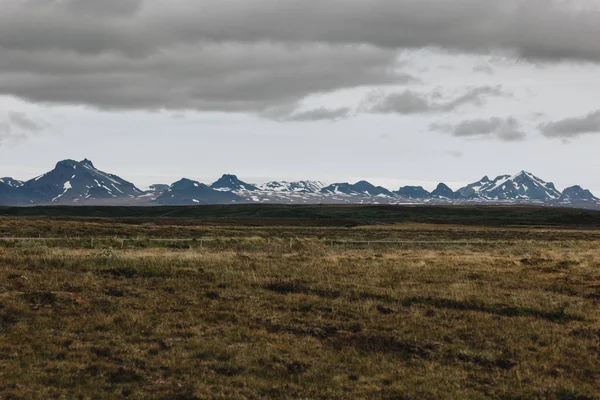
(394, 91)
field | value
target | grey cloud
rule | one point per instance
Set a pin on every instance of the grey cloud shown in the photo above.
(411, 102)
(18, 126)
(122, 8)
(205, 76)
(23, 122)
(475, 97)
(455, 154)
(240, 55)
(319, 114)
(572, 127)
(407, 102)
(550, 29)
(484, 68)
(505, 129)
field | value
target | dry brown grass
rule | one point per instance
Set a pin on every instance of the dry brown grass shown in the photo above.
(256, 318)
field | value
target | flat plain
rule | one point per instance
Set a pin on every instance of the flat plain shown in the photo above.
(299, 302)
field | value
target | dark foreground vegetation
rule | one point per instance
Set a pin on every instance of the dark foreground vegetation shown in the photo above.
(180, 308)
(324, 215)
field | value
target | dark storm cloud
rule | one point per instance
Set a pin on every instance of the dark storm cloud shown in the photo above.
(572, 127)
(249, 55)
(505, 129)
(410, 102)
(219, 77)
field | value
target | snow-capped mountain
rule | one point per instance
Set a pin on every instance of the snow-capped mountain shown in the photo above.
(362, 188)
(10, 182)
(81, 183)
(474, 189)
(523, 186)
(283, 192)
(292, 187)
(189, 192)
(231, 183)
(72, 181)
(10, 194)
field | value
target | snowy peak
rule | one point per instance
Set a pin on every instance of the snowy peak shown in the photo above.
(72, 182)
(474, 189)
(10, 182)
(81, 183)
(362, 188)
(189, 192)
(292, 187)
(88, 163)
(231, 183)
(523, 186)
(577, 193)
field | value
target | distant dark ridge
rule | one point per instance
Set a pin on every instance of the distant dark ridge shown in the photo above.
(343, 216)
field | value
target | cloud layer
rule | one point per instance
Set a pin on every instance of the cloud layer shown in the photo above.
(410, 102)
(572, 127)
(249, 56)
(505, 129)
(18, 126)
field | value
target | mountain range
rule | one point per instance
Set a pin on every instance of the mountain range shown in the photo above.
(81, 183)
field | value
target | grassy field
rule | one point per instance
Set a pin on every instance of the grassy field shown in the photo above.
(109, 308)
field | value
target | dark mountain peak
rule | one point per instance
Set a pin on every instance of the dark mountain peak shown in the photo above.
(338, 188)
(577, 193)
(189, 192)
(443, 191)
(69, 164)
(10, 182)
(232, 183)
(75, 182)
(186, 183)
(413, 192)
(364, 185)
(473, 190)
(369, 189)
(73, 164)
(88, 163)
(525, 174)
